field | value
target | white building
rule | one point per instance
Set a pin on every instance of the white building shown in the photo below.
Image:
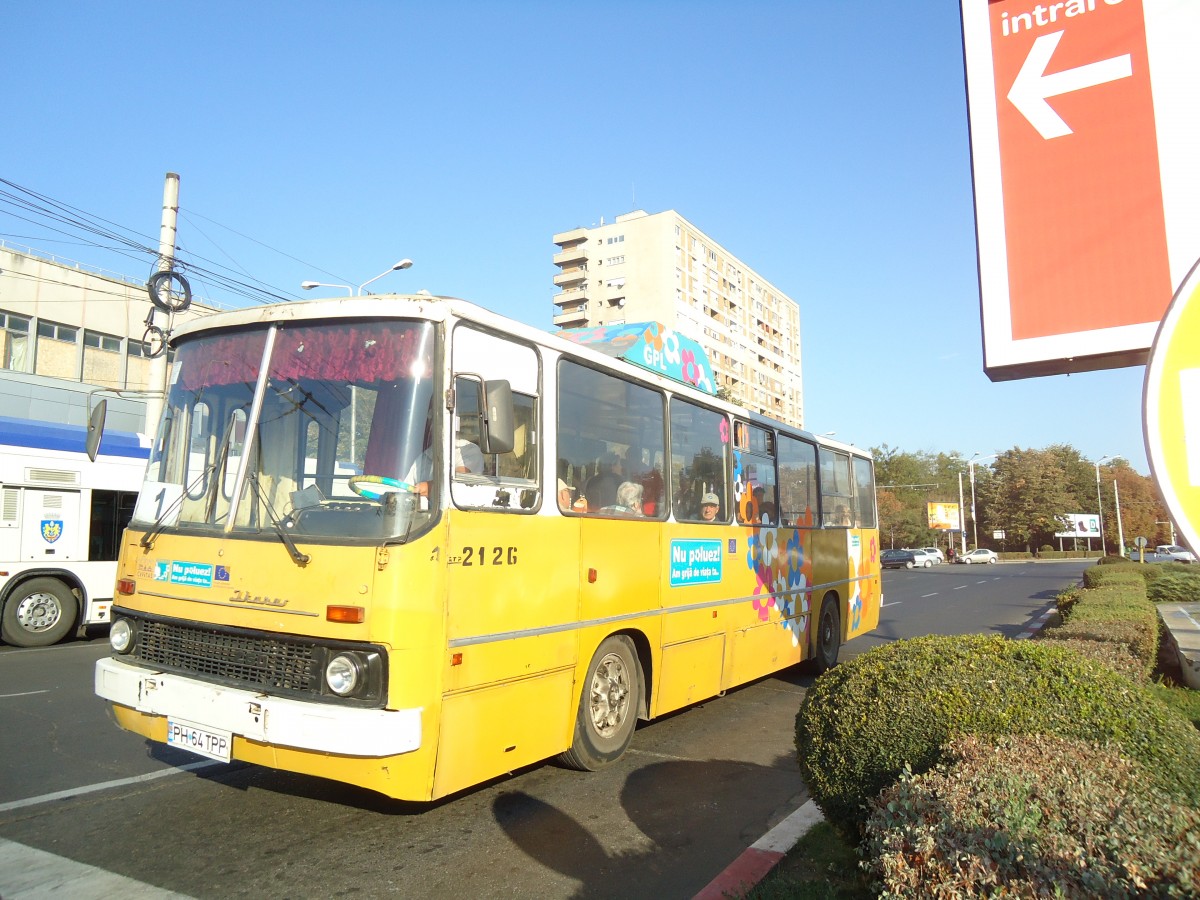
(67, 330)
(663, 268)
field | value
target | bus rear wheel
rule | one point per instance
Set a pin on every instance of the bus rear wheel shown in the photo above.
(829, 638)
(39, 613)
(607, 708)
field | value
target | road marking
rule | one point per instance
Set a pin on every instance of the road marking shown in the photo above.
(893, 603)
(23, 694)
(934, 594)
(28, 873)
(982, 582)
(102, 786)
(961, 587)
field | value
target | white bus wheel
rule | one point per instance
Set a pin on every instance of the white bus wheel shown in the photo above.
(40, 612)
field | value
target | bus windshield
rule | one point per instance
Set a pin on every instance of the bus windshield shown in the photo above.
(311, 430)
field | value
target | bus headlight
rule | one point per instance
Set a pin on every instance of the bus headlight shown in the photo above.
(120, 635)
(343, 674)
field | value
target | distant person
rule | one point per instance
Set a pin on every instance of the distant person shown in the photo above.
(710, 506)
(950, 553)
(601, 488)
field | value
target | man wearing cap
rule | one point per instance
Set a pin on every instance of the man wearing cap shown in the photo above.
(710, 505)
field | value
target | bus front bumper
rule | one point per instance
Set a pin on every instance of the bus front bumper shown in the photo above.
(269, 720)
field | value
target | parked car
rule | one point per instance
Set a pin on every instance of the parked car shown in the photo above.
(935, 554)
(1175, 553)
(897, 559)
(978, 556)
(923, 559)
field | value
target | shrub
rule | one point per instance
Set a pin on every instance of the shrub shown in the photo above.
(1183, 700)
(1045, 548)
(864, 721)
(1181, 585)
(1111, 560)
(1114, 574)
(1066, 600)
(1032, 817)
(1114, 654)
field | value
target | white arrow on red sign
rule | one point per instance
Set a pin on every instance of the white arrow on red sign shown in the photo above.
(1032, 85)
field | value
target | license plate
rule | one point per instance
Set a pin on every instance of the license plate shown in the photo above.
(197, 739)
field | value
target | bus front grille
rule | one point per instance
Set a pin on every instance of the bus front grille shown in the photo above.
(230, 657)
(265, 662)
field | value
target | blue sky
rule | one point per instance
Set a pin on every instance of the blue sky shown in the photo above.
(824, 143)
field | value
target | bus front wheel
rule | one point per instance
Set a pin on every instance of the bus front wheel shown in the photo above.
(607, 708)
(38, 613)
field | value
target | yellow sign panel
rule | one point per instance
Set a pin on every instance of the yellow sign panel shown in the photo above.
(1171, 408)
(944, 516)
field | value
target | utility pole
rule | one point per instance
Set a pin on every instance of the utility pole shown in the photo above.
(166, 260)
(962, 525)
(1120, 529)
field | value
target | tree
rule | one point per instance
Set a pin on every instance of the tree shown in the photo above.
(1024, 492)
(1141, 507)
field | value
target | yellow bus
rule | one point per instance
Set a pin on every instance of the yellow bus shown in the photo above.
(409, 544)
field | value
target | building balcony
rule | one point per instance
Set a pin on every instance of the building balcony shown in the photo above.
(572, 318)
(572, 254)
(572, 295)
(569, 237)
(571, 276)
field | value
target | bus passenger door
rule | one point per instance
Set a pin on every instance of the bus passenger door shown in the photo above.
(511, 579)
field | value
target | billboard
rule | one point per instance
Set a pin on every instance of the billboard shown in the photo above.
(1079, 525)
(944, 516)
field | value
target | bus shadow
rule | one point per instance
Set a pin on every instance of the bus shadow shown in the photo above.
(687, 813)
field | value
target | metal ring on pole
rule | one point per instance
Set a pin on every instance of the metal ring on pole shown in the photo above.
(155, 342)
(173, 300)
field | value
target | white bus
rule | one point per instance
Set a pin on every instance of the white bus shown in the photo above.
(61, 518)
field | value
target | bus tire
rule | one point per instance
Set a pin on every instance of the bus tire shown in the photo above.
(608, 707)
(829, 637)
(40, 612)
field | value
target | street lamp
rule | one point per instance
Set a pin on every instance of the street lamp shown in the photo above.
(309, 285)
(403, 264)
(971, 465)
(1100, 503)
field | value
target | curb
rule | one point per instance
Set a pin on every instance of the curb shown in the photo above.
(757, 860)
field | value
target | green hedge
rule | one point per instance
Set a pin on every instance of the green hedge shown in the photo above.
(1179, 584)
(1031, 817)
(1024, 554)
(864, 721)
(1068, 554)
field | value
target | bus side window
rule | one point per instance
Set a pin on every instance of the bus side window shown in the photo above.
(611, 444)
(699, 463)
(837, 499)
(797, 482)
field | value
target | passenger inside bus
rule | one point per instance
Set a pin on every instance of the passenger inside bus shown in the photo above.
(710, 506)
(628, 500)
(601, 488)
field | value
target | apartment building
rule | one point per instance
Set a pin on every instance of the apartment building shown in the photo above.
(67, 330)
(661, 267)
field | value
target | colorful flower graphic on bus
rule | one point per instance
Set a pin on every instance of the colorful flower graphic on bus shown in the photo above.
(782, 574)
(868, 585)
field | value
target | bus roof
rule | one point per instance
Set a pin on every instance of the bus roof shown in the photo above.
(70, 438)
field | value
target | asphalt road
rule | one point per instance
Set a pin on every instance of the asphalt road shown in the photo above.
(696, 788)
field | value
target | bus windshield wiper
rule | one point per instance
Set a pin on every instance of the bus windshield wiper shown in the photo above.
(300, 559)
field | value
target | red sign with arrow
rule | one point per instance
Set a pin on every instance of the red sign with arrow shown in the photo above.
(1074, 263)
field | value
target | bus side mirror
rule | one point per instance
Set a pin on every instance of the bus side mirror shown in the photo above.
(96, 429)
(498, 429)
